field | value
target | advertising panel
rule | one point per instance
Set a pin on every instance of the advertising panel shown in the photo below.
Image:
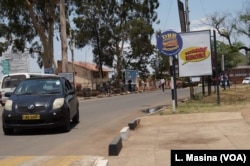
(49, 70)
(69, 76)
(130, 75)
(169, 43)
(195, 57)
(17, 63)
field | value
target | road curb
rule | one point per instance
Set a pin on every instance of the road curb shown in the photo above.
(115, 146)
(101, 162)
(134, 123)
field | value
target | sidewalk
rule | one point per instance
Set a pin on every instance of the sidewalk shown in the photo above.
(151, 142)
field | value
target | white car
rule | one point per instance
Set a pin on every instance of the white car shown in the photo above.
(246, 80)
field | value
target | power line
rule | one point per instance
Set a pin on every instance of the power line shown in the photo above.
(168, 13)
(203, 8)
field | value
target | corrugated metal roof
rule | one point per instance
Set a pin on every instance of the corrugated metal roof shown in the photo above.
(91, 66)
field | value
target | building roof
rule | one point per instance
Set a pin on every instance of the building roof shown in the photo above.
(91, 66)
(242, 67)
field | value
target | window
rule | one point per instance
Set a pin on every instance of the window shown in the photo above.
(12, 81)
(67, 85)
(96, 74)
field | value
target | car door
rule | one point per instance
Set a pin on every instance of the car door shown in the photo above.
(71, 98)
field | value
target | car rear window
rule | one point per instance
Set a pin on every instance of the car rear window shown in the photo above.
(12, 81)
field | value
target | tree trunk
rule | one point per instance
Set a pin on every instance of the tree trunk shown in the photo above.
(47, 57)
(63, 37)
(119, 64)
(47, 40)
(48, 54)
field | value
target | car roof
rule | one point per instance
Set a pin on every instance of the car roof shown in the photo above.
(44, 78)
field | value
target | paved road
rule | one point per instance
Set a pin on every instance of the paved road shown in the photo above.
(100, 121)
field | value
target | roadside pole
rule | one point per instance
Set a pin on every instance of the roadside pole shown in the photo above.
(170, 44)
(172, 81)
(216, 68)
(175, 87)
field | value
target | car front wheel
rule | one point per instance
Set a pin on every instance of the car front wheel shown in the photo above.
(67, 127)
(76, 117)
(8, 131)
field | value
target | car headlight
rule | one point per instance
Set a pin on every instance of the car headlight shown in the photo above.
(8, 105)
(58, 103)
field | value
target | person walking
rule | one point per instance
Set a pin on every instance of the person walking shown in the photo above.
(162, 81)
(143, 85)
(129, 86)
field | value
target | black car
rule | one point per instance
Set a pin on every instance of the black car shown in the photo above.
(41, 102)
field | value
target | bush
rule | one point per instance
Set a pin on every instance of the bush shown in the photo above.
(86, 92)
(78, 87)
(95, 93)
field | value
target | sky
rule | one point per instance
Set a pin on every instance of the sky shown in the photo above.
(169, 19)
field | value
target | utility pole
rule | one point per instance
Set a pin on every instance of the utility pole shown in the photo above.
(188, 30)
(187, 17)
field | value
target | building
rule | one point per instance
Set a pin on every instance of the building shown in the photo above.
(87, 74)
(237, 74)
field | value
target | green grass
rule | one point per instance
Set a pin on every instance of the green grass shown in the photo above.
(232, 99)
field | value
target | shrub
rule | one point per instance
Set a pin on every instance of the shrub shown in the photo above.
(78, 87)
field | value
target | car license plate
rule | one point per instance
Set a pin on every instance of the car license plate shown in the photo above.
(31, 117)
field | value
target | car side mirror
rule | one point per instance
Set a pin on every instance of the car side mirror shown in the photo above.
(7, 94)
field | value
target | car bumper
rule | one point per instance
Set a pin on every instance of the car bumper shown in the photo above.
(2, 102)
(52, 119)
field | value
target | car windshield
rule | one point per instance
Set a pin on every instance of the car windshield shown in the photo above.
(12, 81)
(39, 86)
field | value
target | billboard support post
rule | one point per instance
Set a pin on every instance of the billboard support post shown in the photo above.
(170, 43)
(172, 82)
(174, 76)
(216, 69)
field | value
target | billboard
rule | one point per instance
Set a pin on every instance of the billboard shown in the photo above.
(6, 66)
(195, 57)
(130, 75)
(49, 70)
(17, 63)
(169, 43)
(69, 76)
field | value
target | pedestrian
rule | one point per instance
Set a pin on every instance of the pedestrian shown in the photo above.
(144, 86)
(122, 86)
(228, 82)
(129, 86)
(106, 88)
(162, 81)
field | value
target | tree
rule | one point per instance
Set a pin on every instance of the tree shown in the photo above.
(232, 56)
(243, 26)
(224, 25)
(63, 37)
(160, 63)
(227, 27)
(119, 31)
(92, 28)
(28, 26)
